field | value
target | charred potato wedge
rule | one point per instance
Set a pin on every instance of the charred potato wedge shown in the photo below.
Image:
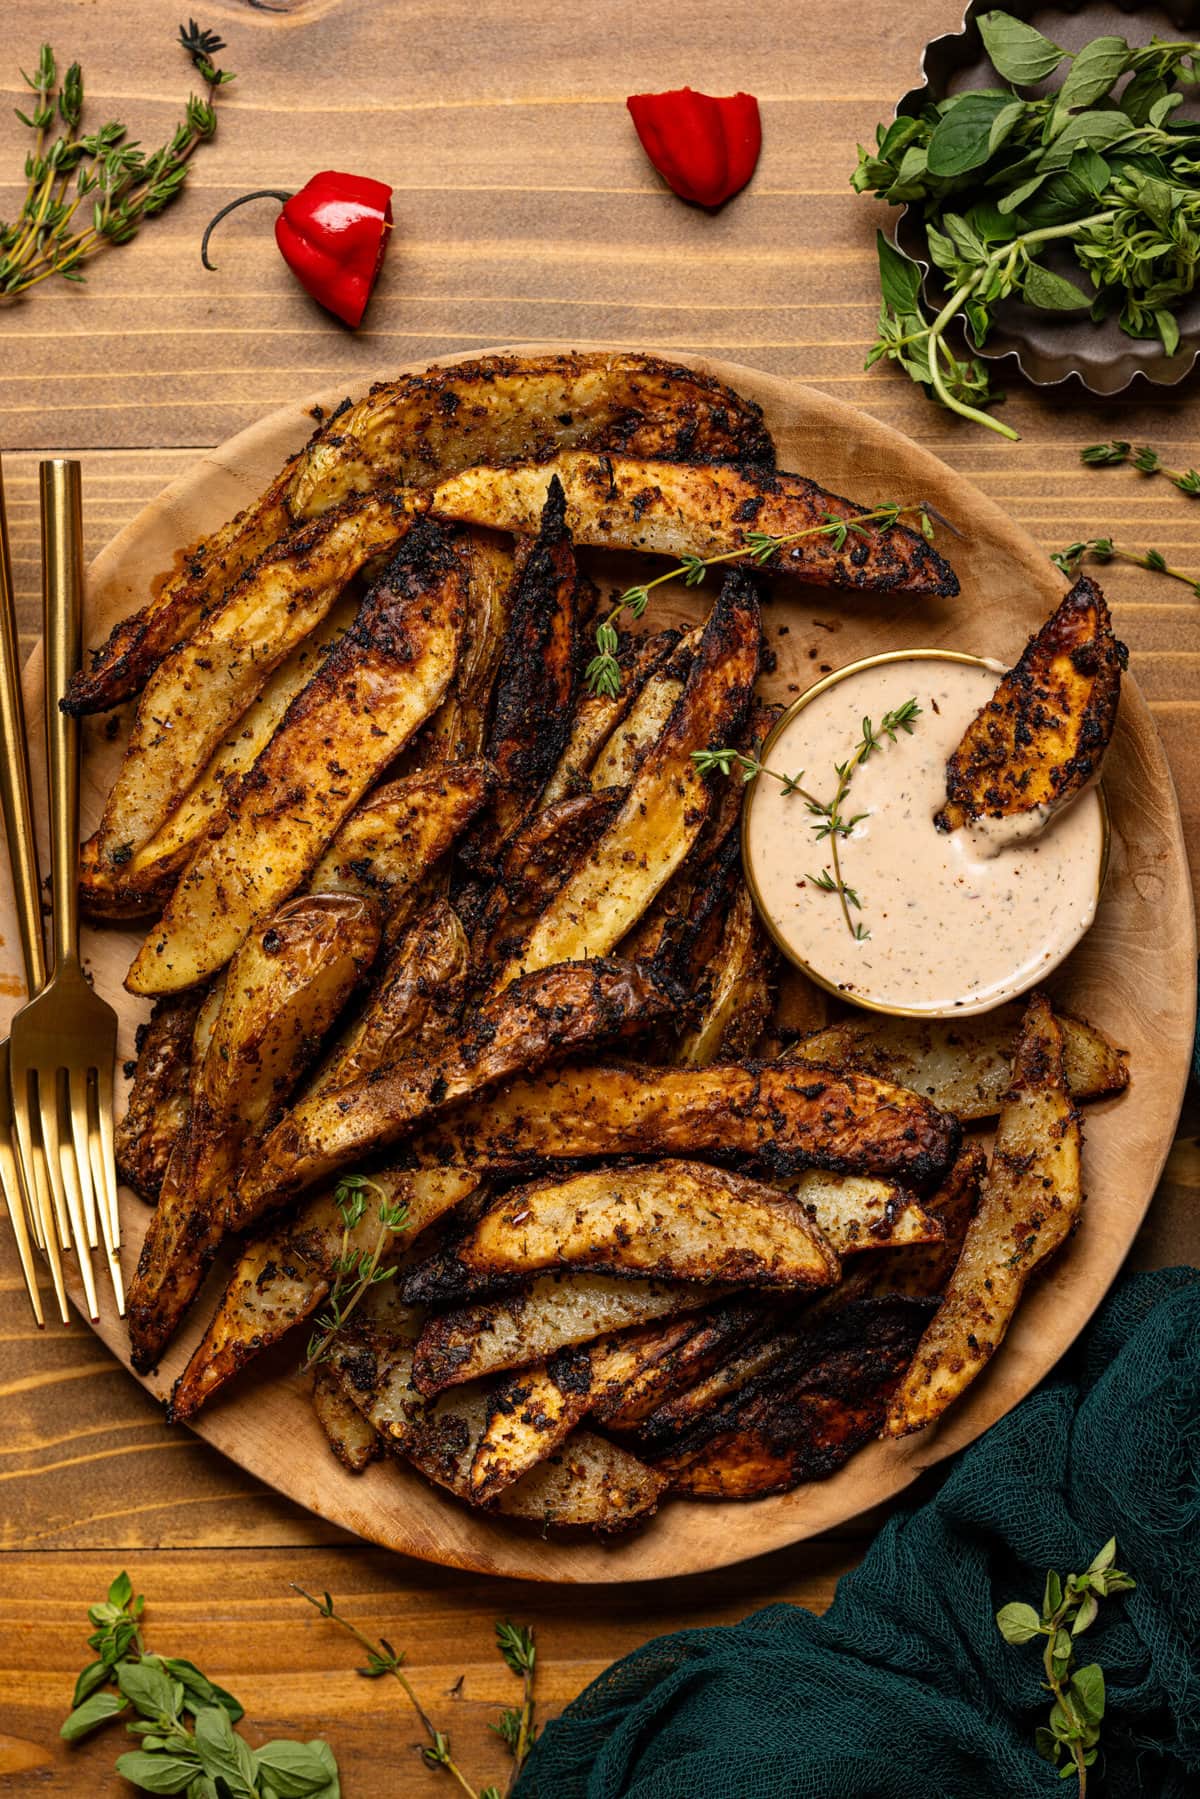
(737, 1003)
(537, 862)
(160, 1097)
(598, 716)
(649, 712)
(284, 990)
(1042, 735)
(354, 1441)
(199, 693)
(684, 510)
(1030, 1204)
(545, 1014)
(964, 1065)
(374, 691)
(667, 802)
(458, 729)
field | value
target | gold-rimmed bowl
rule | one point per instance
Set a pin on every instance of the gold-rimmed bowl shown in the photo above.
(1022, 981)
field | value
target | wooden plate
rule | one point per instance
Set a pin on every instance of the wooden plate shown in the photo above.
(1134, 975)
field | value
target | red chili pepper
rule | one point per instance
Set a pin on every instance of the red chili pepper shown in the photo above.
(704, 148)
(332, 235)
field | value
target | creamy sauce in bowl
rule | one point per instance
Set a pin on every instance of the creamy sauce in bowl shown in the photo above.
(954, 922)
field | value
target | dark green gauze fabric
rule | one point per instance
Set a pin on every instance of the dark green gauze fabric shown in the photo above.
(905, 1689)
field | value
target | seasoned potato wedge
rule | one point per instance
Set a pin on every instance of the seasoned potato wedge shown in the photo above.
(395, 837)
(538, 860)
(737, 1005)
(670, 1357)
(649, 711)
(284, 990)
(354, 1441)
(780, 1118)
(598, 716)
(1043, 734)
(666, 804)
(200, 691)
(160, 1097)
(409, 432)
(505, 408)
(555, 1311)
(964, 1065)
(545, 1014)
(458, 729)
(803, 1414)
(143, 885)
(856, 1212)
(373, 692)
(921, 1270)
(1030, 1204)
(282, 1277)
(677, 509)
(671, 1220)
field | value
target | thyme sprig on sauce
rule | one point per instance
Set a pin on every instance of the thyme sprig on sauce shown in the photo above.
(603, 673)
(830, 823)
(355, 1270)
(87, 190)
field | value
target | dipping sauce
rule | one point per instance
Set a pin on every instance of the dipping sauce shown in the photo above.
(955, 922)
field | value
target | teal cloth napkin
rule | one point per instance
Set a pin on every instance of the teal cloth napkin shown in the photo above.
(905, 1689)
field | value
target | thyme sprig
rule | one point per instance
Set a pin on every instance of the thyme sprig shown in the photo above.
(111, 179)
(1145, 459)
(1103, 549)
(603, 673)
(516, 1729)
(830, 823)
(1068, 1609)
(355, 1270)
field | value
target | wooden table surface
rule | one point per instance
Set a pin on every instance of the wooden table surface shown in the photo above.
(524, 210)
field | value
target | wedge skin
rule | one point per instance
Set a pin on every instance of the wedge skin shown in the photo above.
(1043, 734)
(545, 1014)
(678, 510)
(1030, 1203)
(371, 695)
(287, 986)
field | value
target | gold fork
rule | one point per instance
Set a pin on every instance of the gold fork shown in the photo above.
(64, 1042)
(25, 1211)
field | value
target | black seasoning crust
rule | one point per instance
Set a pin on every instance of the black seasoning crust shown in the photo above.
(1043, 734)
(413, 430)
(776, 1118)
(566, 1007)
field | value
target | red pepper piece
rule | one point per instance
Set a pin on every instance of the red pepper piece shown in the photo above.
(705, 148)
(332, 235)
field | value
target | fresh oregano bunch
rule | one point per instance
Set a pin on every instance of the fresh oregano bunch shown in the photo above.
(184, 1720)
(1072, 1736)
(1099, 166)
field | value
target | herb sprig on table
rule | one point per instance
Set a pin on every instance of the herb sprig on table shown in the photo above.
(1101, 166)
(85, 190)
(184, 1720)
(830, 823)
(1069, 1607)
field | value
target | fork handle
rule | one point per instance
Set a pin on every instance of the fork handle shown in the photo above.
(62, 612)
(14, 779)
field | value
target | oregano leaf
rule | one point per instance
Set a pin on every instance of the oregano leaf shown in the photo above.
(1016, 50)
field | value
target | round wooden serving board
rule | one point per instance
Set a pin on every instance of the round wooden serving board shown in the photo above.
(1134, 976)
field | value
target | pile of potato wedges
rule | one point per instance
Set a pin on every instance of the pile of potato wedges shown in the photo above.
(455, 976)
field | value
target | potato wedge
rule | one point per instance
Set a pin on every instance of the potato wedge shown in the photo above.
(283, 1276)
(284, 990)
(670, 1220)
(373, 692)
(625, 751)
(802, 1416)
(675, 509)
(539, 858)
(671, 1357)
(545, 1014)
(535, 683)
(458, 729)
(553, 1312)
(964, 1065)
(599, 715)
(160, 1098)
(921, 1270)
(1042, 735)
(737, 1006)
(355, 1442)
(395, 837)
(856, 1212)
(782, 1120)
(504, 408)
(201, 691)
(142, 887)
(413, 430)
(666, 804)
(1030, 1204)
